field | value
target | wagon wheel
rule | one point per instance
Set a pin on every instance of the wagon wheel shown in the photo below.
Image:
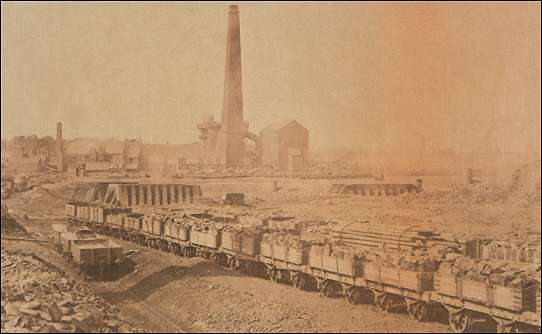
(384, 302)
(214, 258)
(295, 280)
(459, 322)
(508, 327)
(353, 295)
(327, 289)
(502, 328)
(232, 263)
(274, 275)
(250, 268)
(301, 282)
(271, 274)
(411, 309)
(417, 310)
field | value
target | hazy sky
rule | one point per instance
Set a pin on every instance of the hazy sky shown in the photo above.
(368, 75)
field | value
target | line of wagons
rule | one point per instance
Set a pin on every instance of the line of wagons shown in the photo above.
(424, 292)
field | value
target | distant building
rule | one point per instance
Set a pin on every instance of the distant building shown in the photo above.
(285, 146)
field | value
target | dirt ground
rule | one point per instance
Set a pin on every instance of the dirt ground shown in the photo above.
(168, 293)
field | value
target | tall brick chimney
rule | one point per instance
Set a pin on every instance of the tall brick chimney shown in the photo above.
(231, 145)
(59, 148)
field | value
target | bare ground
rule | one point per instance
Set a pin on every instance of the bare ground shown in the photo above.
(168, 293)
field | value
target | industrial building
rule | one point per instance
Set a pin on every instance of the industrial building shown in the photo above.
(283, 146)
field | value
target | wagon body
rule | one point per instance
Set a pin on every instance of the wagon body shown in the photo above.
(153, 226)
(176, 231)
(345, 266)
(285, 253)
(210, 239)
(517, 298)
(97, 252)
(133, 222)
(242, 243)
(411, 280)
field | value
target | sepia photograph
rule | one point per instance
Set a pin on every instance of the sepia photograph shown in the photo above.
(270, 167)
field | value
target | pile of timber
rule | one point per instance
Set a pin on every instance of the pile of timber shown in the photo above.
(366, 235)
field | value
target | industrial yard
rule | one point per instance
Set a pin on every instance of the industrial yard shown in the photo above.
(147, 295)
(350, 176)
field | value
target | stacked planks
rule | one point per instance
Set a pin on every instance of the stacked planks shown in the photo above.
(366, 235)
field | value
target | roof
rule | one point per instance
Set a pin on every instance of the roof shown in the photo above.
(277, 126)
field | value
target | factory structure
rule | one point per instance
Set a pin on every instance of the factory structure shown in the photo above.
(281, 145)
(227, 144)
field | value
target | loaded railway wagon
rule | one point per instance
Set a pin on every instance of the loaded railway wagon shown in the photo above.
(467, 300)
(357, 278)
(333, 273)
(285, 262)
(206, 239)
(241, 250)
(177, 234)
(394, 286)
(206, 243)
(132, 224)
(77, 212)
(107, 219)
(152, 231)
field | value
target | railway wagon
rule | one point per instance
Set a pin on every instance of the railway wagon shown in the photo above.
(103, 220)
(96, 256)
(336, 270)
(332, 271)
(396, 286)
(132, 226)
(240, 250)
(177, 234)
(512, 308)
(152, 231)
(285, 259)
(77, 212)
(206, 242)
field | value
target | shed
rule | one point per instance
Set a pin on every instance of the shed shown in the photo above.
(285, 146)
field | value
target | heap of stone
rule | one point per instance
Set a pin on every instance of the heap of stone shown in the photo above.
(287, 240)
(38, 298)
(517, 250)
(404, 259)
(10, 226)
(492, 271)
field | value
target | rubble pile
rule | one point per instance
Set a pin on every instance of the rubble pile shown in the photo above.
(10, 226)
(405, 259)
(517, 250)
(343, 252)
(492, 271)
(38, 298)
(287, 240)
